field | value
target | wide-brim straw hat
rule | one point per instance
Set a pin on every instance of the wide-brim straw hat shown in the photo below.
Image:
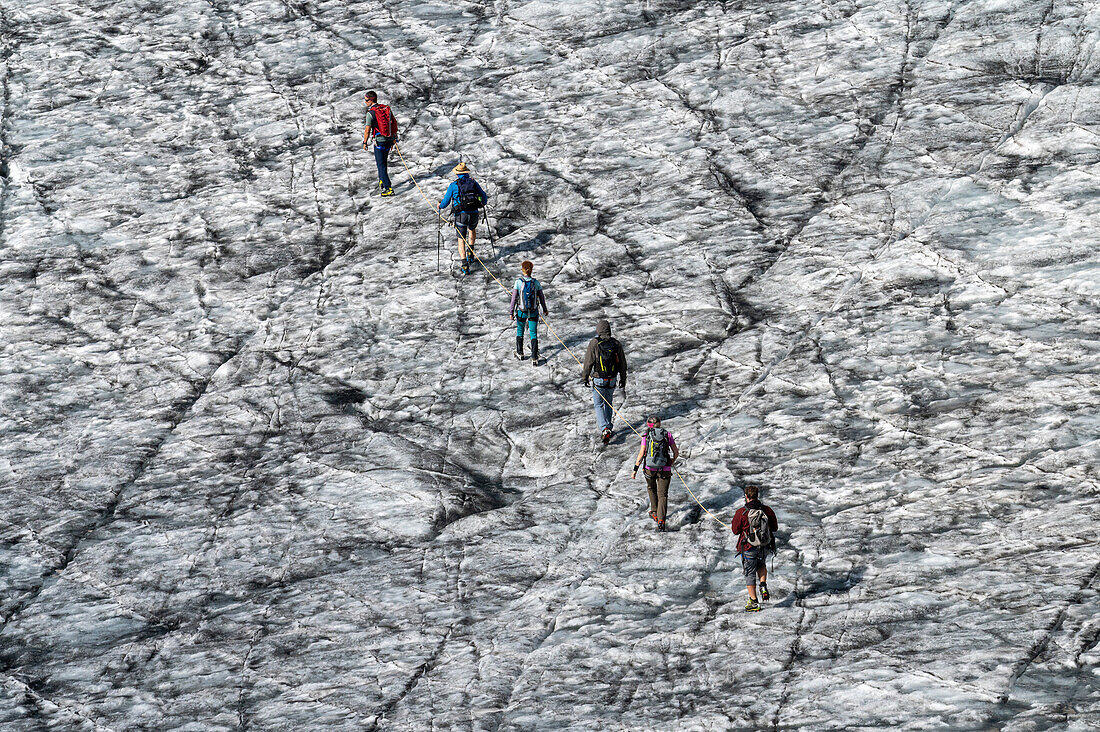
(460, 169)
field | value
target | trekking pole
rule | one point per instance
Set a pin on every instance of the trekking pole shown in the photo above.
(489, 226)
(438, 243)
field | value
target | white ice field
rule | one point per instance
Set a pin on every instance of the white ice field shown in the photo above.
(264, 467)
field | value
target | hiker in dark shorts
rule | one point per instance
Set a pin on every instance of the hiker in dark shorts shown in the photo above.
(466, 197)
(656, 457)
(755, 525)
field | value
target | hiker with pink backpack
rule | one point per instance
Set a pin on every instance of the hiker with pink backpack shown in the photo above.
(755, 525)
(656, 457)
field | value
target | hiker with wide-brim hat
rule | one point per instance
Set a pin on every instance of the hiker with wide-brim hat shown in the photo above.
(466, 198)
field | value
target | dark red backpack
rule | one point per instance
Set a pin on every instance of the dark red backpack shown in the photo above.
(383, 120)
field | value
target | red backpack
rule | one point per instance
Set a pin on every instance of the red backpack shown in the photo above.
(383, 120)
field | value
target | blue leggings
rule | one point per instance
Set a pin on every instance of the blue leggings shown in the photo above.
(531, 323)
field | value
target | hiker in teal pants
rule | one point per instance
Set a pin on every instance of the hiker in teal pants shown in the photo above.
(526, 296)
(532, 325)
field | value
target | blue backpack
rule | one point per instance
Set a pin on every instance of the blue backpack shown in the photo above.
(527, 296)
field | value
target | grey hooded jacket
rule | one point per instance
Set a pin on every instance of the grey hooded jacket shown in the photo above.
(603, 332)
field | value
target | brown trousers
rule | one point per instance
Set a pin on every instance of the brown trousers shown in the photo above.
(657, 482)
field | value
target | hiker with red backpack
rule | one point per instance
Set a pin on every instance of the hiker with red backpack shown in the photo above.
(656, 456)
(466, 198)
(526, 296)
(604, 361)
(755, 525)
(382, 130)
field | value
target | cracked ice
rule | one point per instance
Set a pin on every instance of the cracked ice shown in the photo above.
(264, 467)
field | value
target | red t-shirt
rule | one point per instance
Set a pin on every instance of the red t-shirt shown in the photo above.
(740, 524)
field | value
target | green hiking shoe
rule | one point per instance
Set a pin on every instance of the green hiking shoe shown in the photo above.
(752, 606)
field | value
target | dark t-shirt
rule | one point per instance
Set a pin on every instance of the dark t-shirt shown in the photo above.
(740, 524)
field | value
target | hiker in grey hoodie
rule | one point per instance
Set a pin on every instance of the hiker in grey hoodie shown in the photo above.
(604, 361)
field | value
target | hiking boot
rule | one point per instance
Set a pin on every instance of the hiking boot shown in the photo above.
(535, 352)
(752, 606)
(660, 525)
(387, 191)
(764, 592)
(653, 515)
(606, 435)
(519, 348)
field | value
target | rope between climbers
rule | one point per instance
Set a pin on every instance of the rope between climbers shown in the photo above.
(549, 327)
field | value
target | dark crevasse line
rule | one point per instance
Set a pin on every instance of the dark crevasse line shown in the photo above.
(422, 670)
(229, 20)
(563, 589)
(44, 710)
(8, 39)
(180, 411)
(795, 652)
(1040, 646)
(109, 512)
(829, 190)
(563, 584)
